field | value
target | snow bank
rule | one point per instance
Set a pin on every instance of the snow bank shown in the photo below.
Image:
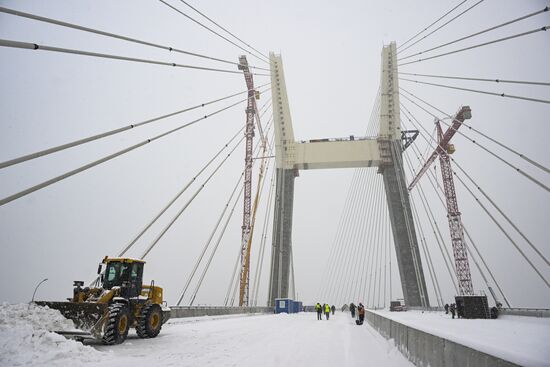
(26, 338)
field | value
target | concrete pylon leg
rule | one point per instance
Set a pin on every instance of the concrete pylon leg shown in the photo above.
(404, 234)
(282, 235)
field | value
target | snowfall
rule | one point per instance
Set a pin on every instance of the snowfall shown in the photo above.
(26, 339)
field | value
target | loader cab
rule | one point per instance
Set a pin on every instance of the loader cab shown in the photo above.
(124, 273)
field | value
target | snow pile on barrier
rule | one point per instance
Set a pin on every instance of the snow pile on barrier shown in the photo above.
(26, 338)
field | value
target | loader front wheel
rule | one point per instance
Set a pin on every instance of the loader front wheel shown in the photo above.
(150, 321)
(117, 325)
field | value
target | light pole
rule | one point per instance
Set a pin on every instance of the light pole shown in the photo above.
(35, 289)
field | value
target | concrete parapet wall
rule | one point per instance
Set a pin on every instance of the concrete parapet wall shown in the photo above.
(195, 311)
(531, 312)
(424, 349)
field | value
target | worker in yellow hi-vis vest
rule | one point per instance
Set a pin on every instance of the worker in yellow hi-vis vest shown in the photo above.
(327, 310)
(319, 310)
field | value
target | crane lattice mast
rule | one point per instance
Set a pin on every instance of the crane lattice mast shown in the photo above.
(442, 151)
(246, 227)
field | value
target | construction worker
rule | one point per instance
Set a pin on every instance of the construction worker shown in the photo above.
(452, 309)
(352, 310)
(327, 310)
(319, 311)
(361, 313)
(333, 308)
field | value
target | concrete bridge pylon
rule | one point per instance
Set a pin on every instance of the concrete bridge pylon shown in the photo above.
(384, 152)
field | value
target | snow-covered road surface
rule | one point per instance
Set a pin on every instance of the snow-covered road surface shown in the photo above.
(261, 340)
(257, 340)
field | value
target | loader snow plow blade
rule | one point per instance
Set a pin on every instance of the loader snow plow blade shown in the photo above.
(77, 335)
(86, 316)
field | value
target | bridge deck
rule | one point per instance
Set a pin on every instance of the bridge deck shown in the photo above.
(263, 340)
(259, 340)
(518, 339)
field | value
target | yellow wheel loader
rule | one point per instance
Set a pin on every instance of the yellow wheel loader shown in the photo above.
(114, 303)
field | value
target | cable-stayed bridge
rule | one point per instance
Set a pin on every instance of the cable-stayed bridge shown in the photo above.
(396, 236)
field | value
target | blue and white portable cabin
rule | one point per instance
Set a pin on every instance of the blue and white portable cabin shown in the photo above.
(283, 305)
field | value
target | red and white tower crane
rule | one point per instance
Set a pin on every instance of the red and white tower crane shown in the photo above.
(443, 150)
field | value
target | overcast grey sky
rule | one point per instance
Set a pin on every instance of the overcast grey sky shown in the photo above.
(331, 54)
